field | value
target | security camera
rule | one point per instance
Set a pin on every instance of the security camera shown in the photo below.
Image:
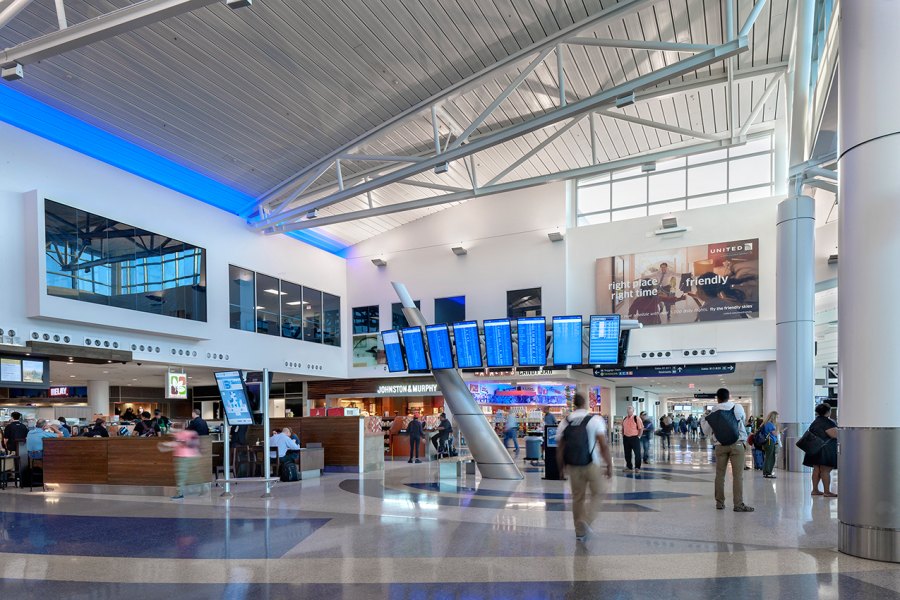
(139, 364)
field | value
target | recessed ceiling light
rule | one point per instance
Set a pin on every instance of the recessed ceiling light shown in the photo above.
(260, 308)
(135, 379)
(275, 292)
(71, 376)
(295, 303)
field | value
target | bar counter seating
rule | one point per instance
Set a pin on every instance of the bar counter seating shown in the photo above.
(123, 465)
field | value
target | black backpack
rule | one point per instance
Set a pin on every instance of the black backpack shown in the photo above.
(289, 471)
(725, 426)
(577, 448)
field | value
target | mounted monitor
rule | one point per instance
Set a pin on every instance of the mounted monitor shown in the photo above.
(604, 339)
(532, 341)
(567, 340)
(414, 343)
(439, 346)
(468, 345)
(234, 397)
(498, 343)
(393, 351)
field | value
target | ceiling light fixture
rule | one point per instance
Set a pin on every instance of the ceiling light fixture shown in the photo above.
(459, 250)
(379, 262)
(555, 236)
(275, 292)
(295, 303)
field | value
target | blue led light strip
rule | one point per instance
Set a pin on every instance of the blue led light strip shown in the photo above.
(33, 116)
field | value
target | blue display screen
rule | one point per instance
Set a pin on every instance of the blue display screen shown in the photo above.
(604, 339)
(498, 342)
(567, 340)
(439, 346)
(393, 351)
(234, 398)
(414, 342)
(468, 345)
(532, 341)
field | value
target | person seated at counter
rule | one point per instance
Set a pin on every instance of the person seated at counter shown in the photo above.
(146, 427)
(34, 442)
(64, 427)
(161, 421)
(444, 430)
(15, 431)
(198, 424)
(129, 415)
(288, 449)
(98, 430)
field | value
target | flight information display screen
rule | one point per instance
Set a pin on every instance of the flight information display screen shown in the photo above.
(393, 350)
(468, 345)
(439, 346)
(234, 398)
(567, 340)
(414, 342)
(604, 339)
(498, 342)
(532, 341)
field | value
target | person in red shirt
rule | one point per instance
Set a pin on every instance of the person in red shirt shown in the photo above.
(632, 429)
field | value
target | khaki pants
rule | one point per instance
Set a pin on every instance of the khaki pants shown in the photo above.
(734, 454)
(580, 478)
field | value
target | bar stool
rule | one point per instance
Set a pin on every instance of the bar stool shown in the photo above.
(32, 462)
(274, 450)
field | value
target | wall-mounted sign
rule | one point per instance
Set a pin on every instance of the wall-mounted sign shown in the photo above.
(29, 373)
(408, 388)
(705, 396)
(176, 386)
(666, 371)
(59, 392)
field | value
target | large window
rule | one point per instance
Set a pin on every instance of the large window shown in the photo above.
(398, 319)
(241, 298)
(270, 306)
(102, 261)
(696, 181)
(366, 320)
(523, 303)
(450, 310)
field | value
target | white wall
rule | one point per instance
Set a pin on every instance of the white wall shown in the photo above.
(508, 249)
(32, 163)
(741, 340)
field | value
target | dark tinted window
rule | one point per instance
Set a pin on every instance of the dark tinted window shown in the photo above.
(312, 315)
(241, 298)
(331, 319)
(398, 319)
(523, 303)
(268, 294)
(99, 260)
(291, 310)
(366, 319)
(450, 310)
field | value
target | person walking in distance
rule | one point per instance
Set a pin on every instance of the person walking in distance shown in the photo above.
(416, 433)
(632, 430)
(582, 453)
(512, 431)
(725, 424)
(646, 437)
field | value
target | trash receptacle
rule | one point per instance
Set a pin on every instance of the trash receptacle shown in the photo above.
(533, 448)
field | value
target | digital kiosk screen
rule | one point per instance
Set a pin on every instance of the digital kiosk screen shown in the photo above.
(234, 397)
(439, 346)
(468, 345)
(393, 351)
(498, 343)
(604, 339)
(567, 340)
(532, 341)
(414, 342)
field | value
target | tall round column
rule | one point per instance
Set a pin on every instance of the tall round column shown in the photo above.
(795, 289)
(98, 397)
(770, 388)
(868, 328)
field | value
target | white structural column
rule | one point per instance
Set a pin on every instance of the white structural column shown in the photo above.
(868, 353)
(770, 388)
(795, 289)
(98, 397)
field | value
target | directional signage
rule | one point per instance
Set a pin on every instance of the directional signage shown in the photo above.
(666, 371)
(705, 396)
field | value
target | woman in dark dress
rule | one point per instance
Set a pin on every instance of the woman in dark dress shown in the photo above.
(823, 461)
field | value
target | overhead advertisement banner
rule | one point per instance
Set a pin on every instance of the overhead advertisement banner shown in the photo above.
(176, 386)
(714, 282)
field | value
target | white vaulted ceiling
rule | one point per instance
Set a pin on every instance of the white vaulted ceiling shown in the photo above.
(251, 97)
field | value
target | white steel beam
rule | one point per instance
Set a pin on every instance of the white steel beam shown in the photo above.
(590, 171)
(379, 158)
(640, 44)
(535, 150)
(431, 186)
(99, 28)
(751, 18)
(9, 12)
(599, 100)
(657, 125)
(617, 11)
(61, 14)
(760, 104)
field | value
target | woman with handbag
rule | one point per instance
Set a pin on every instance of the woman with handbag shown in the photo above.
(820, 445)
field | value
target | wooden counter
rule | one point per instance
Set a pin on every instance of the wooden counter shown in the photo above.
(346, 443)
(119, 461)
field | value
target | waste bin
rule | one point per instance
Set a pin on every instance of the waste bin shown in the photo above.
(533, 448)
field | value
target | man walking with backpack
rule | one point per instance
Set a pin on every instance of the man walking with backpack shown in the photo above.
(580, 445)
(725, 423)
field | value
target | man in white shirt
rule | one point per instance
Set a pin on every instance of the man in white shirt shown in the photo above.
(288, 450)
(734, 453)
(587, 436)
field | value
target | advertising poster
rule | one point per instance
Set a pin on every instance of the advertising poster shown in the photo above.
(234, 398)
(713, 282)
(368, 350)
(176, 386)
(32, 371)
